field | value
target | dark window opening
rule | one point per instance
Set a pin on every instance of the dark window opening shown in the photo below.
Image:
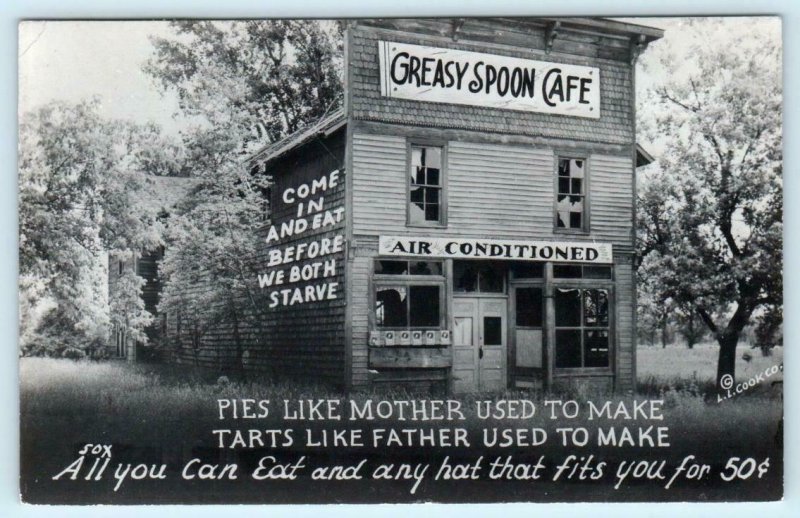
(582, 328)
(529, 310)
(404, 302)
(527, 270)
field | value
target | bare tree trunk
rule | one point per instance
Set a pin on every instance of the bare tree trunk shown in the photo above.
(237, 339)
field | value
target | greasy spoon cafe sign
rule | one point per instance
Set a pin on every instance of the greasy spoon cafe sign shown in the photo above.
(438, 247)
(474, 78)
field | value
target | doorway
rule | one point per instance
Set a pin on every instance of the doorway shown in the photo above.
(479, 344)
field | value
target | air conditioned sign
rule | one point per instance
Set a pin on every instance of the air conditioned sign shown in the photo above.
(437, 247)
(459, 77)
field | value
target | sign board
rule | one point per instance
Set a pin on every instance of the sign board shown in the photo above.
(452, 76)
(440, 247)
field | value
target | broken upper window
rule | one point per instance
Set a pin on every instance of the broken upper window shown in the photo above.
(571, 194)
(425, 200)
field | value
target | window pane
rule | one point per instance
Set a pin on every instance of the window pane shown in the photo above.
(391, 267)
(529, 307)
(566, 271)
(575, 219)
(425, 268)
(595, 306)
(576, 168)
(432, 195)
(563, 185)
(577, 185)
(491, 278)
(563, 217)
(424, 310)
(492, 331)
(595, 343)
(418, 176)
(563, 167)
(390, 310)
(433, 176)
(527, 270)
(416, 156)
(465, 277)
(432, 213)
(568, 348)
(568, 307)
(433, 157)
(416, 213)
(597, 272)
(417, 195)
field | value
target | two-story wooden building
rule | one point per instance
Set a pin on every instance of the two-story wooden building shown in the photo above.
(482, 175)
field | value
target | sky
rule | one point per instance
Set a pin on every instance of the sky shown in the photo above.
(75, 60)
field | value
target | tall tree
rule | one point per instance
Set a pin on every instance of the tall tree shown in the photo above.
(240, 85)
(79, 176)
(710, 221)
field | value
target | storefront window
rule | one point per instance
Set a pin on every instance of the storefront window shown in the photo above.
(582, 327)
(425, 200)
(570, 194)
(408, 294)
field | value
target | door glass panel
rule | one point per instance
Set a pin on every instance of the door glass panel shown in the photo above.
(595, 308)
(492, 331)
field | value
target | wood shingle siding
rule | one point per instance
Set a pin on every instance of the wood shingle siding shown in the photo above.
(302, 341)
(615, 123)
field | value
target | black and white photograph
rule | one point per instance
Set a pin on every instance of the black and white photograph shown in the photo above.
(400, 260)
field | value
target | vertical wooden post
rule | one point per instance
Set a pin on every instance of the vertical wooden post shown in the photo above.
(550, 325)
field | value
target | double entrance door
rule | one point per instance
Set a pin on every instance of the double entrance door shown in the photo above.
(479, 343)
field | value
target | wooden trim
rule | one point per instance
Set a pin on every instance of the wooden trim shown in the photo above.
(634, 230)
(495, 47)
(408, 357)
(586, 226)
(426, 142)
(349, 258)
(549, 335)
(605, 284)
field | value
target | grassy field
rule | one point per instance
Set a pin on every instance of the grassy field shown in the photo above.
(155, 414)
(677, 365)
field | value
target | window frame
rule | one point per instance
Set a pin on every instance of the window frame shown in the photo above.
(421, 142)
(587, 284)
(388, 280)
(586, 184)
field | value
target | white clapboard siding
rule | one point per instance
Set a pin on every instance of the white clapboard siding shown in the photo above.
(626, 307)
(611, 197)
(492, 191)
